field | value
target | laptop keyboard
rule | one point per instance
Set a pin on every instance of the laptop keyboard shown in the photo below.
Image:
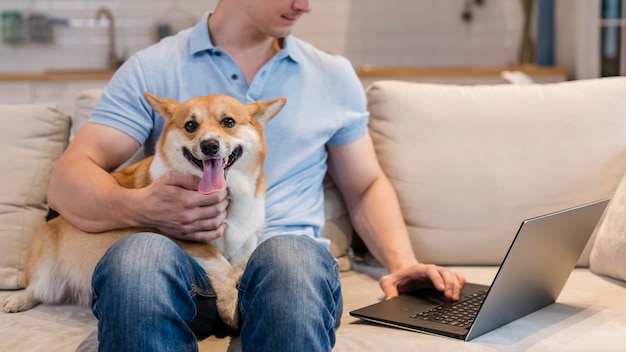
(460, 313)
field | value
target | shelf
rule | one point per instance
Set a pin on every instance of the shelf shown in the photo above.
(365, 71)
(57, 75)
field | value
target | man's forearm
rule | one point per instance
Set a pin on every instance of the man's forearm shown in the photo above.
(378, 220)
(91, 202)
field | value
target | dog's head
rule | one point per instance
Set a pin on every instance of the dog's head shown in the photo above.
(212, 135)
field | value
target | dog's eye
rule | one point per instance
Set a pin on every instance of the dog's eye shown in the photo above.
(228, 122)
(191, 126)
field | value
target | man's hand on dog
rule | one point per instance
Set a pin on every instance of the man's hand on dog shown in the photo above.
(175, 207)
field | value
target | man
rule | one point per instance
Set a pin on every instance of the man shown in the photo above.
(148, 294)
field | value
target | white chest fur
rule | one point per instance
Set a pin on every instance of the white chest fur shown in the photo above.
(246, 212)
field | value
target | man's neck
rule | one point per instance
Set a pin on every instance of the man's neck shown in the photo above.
(250, 49)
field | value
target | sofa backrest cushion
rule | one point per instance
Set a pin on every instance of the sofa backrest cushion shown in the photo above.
(469, 163)
(32, 139)
(608, 254)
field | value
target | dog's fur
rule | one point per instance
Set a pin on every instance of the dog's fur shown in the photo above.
(205, 130)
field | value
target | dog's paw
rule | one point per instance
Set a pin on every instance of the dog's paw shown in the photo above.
(19, 302)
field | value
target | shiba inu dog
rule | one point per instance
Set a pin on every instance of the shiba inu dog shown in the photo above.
(214, 137)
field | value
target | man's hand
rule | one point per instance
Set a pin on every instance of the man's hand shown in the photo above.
(423, 276)
(173, 205)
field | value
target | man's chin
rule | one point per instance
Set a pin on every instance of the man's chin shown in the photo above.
(282, 32)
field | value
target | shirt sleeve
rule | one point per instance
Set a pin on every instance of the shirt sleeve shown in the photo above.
(351, 106)
(122, 105)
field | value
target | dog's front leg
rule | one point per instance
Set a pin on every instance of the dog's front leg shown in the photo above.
(220, 273)
(239, 259)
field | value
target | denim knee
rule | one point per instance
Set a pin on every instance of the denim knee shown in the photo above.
(140, 262)
(127, 257)
(138, 266)
(144, 287)
(292, 256)
(290, 292)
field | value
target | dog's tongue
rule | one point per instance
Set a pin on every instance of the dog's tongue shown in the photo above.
(213, 178)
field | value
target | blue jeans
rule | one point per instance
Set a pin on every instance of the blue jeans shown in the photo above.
(148, 295)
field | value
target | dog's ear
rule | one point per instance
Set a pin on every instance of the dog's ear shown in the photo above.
(264, 110)
(163, 106)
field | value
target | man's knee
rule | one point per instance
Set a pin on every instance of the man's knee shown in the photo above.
(288, 250)
(138, 250)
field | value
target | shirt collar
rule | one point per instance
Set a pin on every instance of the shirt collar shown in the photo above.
(291, 50)
(200, 41)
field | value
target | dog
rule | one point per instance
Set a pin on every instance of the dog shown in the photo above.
(214, 137)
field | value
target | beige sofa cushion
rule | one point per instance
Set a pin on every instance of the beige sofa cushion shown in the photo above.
(86, 100)
(608, 255)
(469, 163)
(32, 138)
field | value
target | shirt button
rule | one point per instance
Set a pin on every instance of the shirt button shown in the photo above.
(234, 77)
(218, 53)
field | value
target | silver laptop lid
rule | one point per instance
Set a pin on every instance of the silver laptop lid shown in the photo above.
(537, 265)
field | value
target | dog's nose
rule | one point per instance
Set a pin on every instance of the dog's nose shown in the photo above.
(210, 147)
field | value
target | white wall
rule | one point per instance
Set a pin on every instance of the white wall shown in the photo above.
(369, 32)
(416, 32)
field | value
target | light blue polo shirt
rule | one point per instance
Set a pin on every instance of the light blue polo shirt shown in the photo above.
(325, 106)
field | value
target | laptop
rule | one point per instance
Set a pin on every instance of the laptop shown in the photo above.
(532, 275)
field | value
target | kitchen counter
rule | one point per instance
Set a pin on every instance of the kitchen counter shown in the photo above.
(61, 86)
(57, 75)
(369, 72)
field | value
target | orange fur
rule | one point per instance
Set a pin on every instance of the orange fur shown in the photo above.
(61, 258)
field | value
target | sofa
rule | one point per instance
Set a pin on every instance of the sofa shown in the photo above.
(469, 163)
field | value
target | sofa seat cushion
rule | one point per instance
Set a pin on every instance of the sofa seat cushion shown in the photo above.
(470, 163)
(32, 138)
(590, 315)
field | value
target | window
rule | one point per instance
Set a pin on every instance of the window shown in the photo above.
(611, 38)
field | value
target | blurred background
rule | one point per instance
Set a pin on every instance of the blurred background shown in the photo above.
(576, 38)
(406, 33)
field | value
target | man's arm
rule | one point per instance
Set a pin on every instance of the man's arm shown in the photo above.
(82, 190)
(376, 215)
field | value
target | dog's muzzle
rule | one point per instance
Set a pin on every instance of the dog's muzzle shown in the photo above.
(214, 170)
(227, 162)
